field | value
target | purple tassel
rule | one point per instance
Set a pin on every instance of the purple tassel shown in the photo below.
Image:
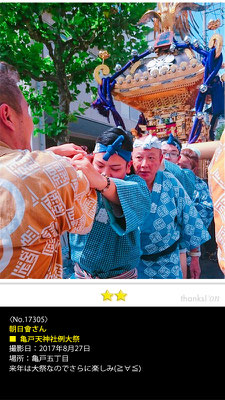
(104, 103)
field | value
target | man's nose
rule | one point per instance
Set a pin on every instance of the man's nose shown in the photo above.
(144, 162)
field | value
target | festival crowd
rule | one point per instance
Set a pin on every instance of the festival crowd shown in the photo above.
(133, 209)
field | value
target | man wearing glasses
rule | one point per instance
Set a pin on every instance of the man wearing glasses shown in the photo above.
(171, 149)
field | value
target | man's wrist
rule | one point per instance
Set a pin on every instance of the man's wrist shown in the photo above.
(108, 182)
(195, 253)
(104, 183)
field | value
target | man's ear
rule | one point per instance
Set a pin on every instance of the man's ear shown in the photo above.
(129, 165)
(6, 116)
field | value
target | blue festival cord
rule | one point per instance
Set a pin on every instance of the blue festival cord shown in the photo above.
(104, 102)
(210, 85)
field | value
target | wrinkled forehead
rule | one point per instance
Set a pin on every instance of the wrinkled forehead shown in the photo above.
(146, 152)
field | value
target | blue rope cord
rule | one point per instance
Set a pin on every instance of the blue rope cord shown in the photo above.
(210, 86)
(104, 102)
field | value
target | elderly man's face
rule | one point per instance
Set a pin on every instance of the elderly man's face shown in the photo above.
(146, 163)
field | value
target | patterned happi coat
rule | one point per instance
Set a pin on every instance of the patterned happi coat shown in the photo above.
(196, 188)
(172, 218)
(203, 201)
(41, 196)
(113, 245)
(185, 176)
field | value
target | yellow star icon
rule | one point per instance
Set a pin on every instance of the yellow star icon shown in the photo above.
(121, 295)
(107, 295)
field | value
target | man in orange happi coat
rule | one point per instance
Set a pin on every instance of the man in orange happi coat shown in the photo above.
(217, 189)
(41, 195)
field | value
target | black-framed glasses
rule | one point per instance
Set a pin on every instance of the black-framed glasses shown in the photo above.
(172, 154)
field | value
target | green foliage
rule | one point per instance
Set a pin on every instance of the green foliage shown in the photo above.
(219, 131)
(62, 54)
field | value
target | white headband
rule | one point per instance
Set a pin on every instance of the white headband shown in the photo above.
(148, 143)
(194, 149)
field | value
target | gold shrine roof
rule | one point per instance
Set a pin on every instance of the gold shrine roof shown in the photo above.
(161, 76)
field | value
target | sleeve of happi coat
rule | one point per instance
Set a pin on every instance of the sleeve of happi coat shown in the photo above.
(79, 199)
(203, 202)
(192, 229)
(135, 204)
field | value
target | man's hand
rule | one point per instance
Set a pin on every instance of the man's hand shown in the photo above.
(195, 269)
(67, 150)
(96, 180)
